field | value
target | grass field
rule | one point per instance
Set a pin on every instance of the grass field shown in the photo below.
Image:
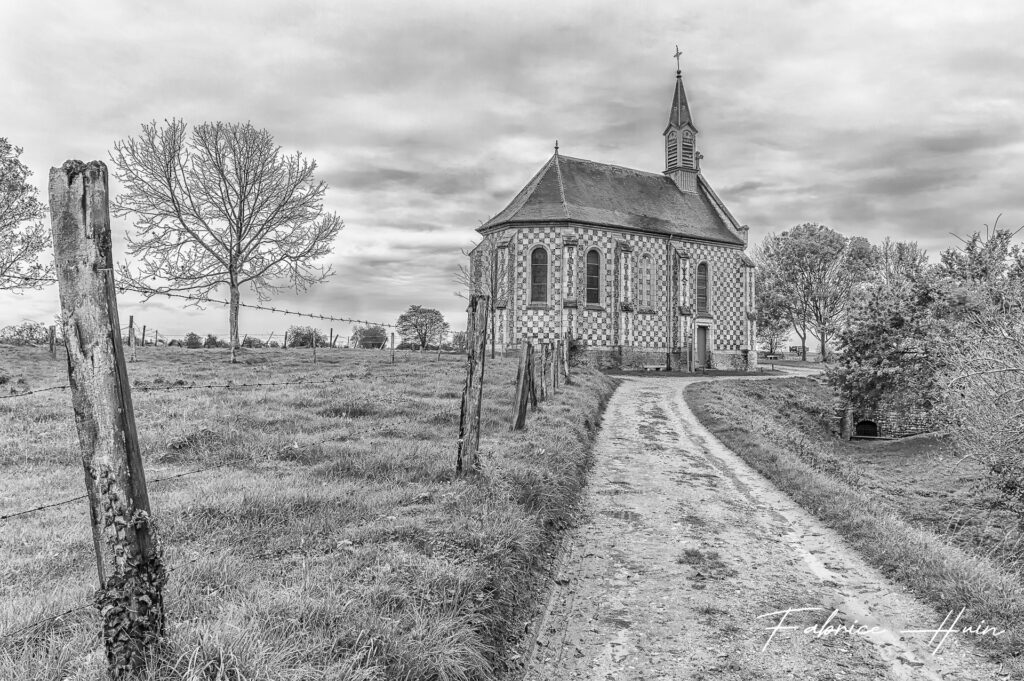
(334, 541)
(913, 507)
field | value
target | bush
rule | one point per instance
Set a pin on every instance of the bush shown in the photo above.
(302, 337)
(192, 340)
(26, 333)
(211, 342)
(175, 344)
(251, 342)
(273, 344)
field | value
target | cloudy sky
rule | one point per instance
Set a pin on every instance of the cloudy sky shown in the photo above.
(876, 118)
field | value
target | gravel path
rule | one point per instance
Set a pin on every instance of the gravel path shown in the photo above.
(684, 547)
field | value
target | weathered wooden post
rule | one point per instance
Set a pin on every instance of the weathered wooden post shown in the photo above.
(522, 387)
(156, 338)
(131, 335)
(285, 340)
(314, 346)
(468, 460)
(556, 353)
(392, 347)
(531, 378)
(143, 335)
(53, 341)
(330, 338)
(543, 371)
(128, 555)
(565, 362)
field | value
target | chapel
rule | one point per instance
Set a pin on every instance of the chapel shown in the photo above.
(642, 268)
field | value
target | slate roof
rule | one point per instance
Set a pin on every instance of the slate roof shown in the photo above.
(570, 189)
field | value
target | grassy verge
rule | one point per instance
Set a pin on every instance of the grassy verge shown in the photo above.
(333, 543)
(908, 507)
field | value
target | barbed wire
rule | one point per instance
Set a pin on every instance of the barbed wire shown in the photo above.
(279, 310)
(192, 386)
(32, 392)
(148, 292)
(45, 620)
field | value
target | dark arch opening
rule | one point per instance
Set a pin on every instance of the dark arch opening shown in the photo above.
(867, 428)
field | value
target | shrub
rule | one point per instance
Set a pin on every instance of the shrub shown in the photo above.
(192, 340)
(211, 342)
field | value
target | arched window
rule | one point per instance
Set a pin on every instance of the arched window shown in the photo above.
(593, 278)
(702, 287)
(539, 275)
(646, 283)
(671, 151)
(686, 151)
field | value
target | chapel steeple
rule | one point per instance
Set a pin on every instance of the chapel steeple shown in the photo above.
(682, 160)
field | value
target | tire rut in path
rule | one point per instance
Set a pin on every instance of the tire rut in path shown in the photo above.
(684, 546)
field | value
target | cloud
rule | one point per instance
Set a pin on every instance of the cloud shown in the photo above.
(426, 118)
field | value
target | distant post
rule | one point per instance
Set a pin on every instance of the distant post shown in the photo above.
(330, 338)
(314, 346)
(128, 556)
(143, 335)
(53, 341)
(468, 460)
(543, 371)
(392, 347)
(565, 362)
(285, 340)
(131, 334)
(156, 338)
(556, 364)
(522, 387)
(531, 378)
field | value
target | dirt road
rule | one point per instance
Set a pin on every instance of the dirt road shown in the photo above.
(685, 550)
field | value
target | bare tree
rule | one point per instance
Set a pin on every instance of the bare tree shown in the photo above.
(22, 233)
(483, 274)
(221, 207)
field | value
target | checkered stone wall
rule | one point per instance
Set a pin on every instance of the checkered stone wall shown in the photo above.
(623, 316)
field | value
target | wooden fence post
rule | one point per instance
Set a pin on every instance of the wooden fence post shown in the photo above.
(156, 338)
(392, 347)
(285, 340)
(468, 460)
(131, 335)
(129, 561)
(531, 378)
(522, 387)
(53, 341)
(543, 392)
(143, 335)
(314, 346)
(565, 362)
(330, 338)
(556, 353)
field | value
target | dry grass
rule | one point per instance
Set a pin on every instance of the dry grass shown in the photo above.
(894, 502)
(334, 543)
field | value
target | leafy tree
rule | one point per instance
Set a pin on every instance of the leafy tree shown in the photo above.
(420, 325)
(372, 336)
(26, 333)
(773, 322)
(812, 272)
(302, 337)
(460, 342)
(193, 340)
(211, 342)
(23, 236)
(221, 207)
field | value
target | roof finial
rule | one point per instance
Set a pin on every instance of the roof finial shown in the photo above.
(556, 146)
(679, 68)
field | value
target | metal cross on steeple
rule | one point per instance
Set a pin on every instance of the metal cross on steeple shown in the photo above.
(677, 55)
